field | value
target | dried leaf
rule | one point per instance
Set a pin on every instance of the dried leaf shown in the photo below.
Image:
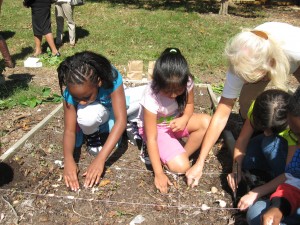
(104, 182)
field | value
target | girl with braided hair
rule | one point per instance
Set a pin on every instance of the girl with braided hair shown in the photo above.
(94, 103)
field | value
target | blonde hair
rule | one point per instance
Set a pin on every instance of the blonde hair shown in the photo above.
(252, 56)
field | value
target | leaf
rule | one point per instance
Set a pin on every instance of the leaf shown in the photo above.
(32, 103)
(104, 182)
(46, 92)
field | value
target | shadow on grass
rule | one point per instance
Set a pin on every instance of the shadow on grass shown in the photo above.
(80, 34)
(14, 82)
(199, 6)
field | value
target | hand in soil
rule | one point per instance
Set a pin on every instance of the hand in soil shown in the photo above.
(93, 173)
(193, 175)
(70, 175)
(161, 182)
(231, 181)
(247, 200)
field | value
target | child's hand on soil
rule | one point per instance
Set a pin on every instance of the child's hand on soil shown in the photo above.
(193, 175)
(93, 173)
(70, 175)
(247, 200)
(231, 181)
(161, 182)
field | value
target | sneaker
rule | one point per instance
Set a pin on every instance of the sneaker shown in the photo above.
(94, 144)
(133, 136)
(144, 156)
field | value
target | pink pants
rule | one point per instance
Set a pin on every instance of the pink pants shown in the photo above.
(168, 143)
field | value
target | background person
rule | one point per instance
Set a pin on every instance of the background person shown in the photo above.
(41, 25)
(4, 49)
(64, 10)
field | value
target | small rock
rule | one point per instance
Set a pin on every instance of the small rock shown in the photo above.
(214, 190)
(204, 207)
(222, 203)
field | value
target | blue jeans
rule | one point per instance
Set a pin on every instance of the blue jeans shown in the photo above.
(266, 153)
(260, 207)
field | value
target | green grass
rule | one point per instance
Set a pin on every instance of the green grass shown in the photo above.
(136, 30)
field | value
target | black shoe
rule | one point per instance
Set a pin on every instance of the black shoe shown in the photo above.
(94, 144)
(144, 156)
(56, 55)
(133, 136)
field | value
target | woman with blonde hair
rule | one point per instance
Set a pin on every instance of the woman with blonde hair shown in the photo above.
(259, 59)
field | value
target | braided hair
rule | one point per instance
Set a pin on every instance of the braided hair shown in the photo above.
(86, 66)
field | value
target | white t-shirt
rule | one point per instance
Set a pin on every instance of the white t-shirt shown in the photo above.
(287, 36)
(165, 108)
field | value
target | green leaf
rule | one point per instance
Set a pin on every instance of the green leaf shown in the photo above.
(32, 103)
(46, 92)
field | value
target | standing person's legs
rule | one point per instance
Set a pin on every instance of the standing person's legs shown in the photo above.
(50, 40)
(38, 43)
(59, 23)
(68, 14)
(5, 53)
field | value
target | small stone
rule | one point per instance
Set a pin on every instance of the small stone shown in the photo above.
(214, 190)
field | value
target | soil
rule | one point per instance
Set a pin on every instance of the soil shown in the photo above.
(33, 190)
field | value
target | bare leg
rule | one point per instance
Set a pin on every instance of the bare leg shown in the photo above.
(197, 127)
(50, 40)
(38, 43)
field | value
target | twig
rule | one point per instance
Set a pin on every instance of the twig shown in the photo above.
(12, 208)
(80, 214)
(151, 195)
(20, 126)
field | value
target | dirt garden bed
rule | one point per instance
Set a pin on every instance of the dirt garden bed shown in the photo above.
(35, 191)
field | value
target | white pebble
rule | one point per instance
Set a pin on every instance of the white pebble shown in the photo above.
(204, 207)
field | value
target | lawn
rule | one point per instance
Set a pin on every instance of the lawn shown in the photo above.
(137, 30)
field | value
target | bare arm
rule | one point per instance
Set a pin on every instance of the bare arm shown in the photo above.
(267, 188)
(181, 122)
(70, 167)
(240, 151)
(248, 199)
(215, 128)
(161, 181)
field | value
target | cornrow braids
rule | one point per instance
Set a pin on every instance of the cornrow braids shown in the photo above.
(86, 66)
(270, 111)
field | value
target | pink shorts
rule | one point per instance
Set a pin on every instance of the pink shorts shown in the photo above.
(168, 143)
